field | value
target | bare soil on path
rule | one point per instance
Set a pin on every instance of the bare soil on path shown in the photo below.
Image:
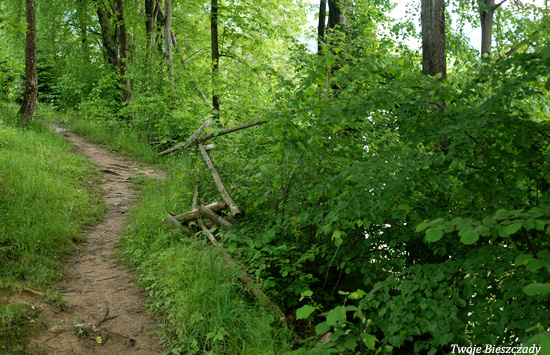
(104, 313)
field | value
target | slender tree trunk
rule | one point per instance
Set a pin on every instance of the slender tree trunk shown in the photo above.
(168, 40)
(122, 37)
(486, 15)
(84, 35)
(215, 60)
(486, 12)
(433, 38)
(150, 17)
(321, 28)
(31, 81)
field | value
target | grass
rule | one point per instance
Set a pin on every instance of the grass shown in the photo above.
(206, 308)
(47, 196)
(15, 321)
(119, 139)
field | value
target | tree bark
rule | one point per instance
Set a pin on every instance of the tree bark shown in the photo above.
(228, 218)
(31, 80)
(231, 129)
(321, 28)
(433, 38)
(168, 40)
(217, 220)
(337, 14)
(219, 184)
(189, 141)
(215, 60)
(193, 215)
(108, 37)
(150, 17)
(486, 15)
(122, 36)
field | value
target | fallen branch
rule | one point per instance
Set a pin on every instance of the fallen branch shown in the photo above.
(34, 292)
(193, 215)
(219, 184)
(231, 129)
(217, 220)
(173, 221)
(229, 219)
(190, 141)
(272, 307)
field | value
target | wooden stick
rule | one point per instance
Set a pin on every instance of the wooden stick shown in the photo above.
(173, 221)
(189, 141)
(272, 307)
(34, 292)
(219, 184)
(193, 215)
(218, 220)
(209, 147)
(229, 219)
(231, 129)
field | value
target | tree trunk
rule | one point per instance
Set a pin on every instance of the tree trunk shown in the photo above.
(486, 11)
(31, 81)
(168, 40)
(215, 60)
(433, 38)
(150, 17)
(122, 36)
(486, 14)
(107, 35)
(321, 28)
(338, 13)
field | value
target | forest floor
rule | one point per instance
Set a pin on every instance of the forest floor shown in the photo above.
(104, 313)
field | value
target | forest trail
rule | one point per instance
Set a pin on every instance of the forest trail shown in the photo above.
(104, 312)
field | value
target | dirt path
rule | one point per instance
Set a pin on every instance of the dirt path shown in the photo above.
(106, 309)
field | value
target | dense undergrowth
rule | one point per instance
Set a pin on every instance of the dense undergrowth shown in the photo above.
(47, 196)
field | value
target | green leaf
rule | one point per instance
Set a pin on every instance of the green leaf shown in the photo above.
(369, 340)
(322, 328)
(470, 237)
(513, 228)
(305, 311)
(330, 61)
(422, 226)
(404, 207)
(306, 293)
(433, 235)
(541, 340)
(537, 289)
(534, 265)
(336, 315)
(522, 259)
(500, 214)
